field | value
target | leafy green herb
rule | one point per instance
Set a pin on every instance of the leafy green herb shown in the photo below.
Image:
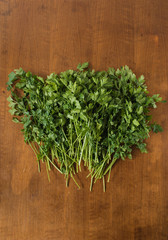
(156, 128)
(75, 116)
(12, 77)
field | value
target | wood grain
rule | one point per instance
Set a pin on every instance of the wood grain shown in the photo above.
(45, 36)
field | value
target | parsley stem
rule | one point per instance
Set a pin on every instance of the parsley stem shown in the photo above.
(91, 183)
(75, 180)
(104, 185)
(82, 150)
(110, 166)
(50, 160)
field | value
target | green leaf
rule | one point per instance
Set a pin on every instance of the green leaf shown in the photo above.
(20, 85)
(130, 106)
(15, 120)
(9, 99)
(141, 79)
(142, 147)
(19, 71)
(156, 128)
(41, 79)
(135, 122)
(12, 77)
(83, 116)
(157, 98)
(28, 74)
(140, 110)
(12, 111)
(69, 116)
(83, 66)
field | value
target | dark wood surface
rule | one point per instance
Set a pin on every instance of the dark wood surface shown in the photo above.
(54, 35)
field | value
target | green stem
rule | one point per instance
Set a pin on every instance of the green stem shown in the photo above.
(75, 180)
(47, 173)
(67, 181)
(104, 185)
(110, 166)
(50, 159)
(82, 150)
(109, 176)
(55, 166)
(91, 183)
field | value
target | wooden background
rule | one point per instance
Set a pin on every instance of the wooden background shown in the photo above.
(53, 35)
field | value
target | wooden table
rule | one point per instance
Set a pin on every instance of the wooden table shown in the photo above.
(55, 35)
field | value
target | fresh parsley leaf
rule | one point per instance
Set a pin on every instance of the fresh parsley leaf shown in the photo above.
(83, 66)
(135, 122)
(12, 77)
(156, 128)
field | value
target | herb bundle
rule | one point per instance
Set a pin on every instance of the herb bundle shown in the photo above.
(83, 115)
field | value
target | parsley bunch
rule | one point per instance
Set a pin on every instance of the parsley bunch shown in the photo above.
(83, 115)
